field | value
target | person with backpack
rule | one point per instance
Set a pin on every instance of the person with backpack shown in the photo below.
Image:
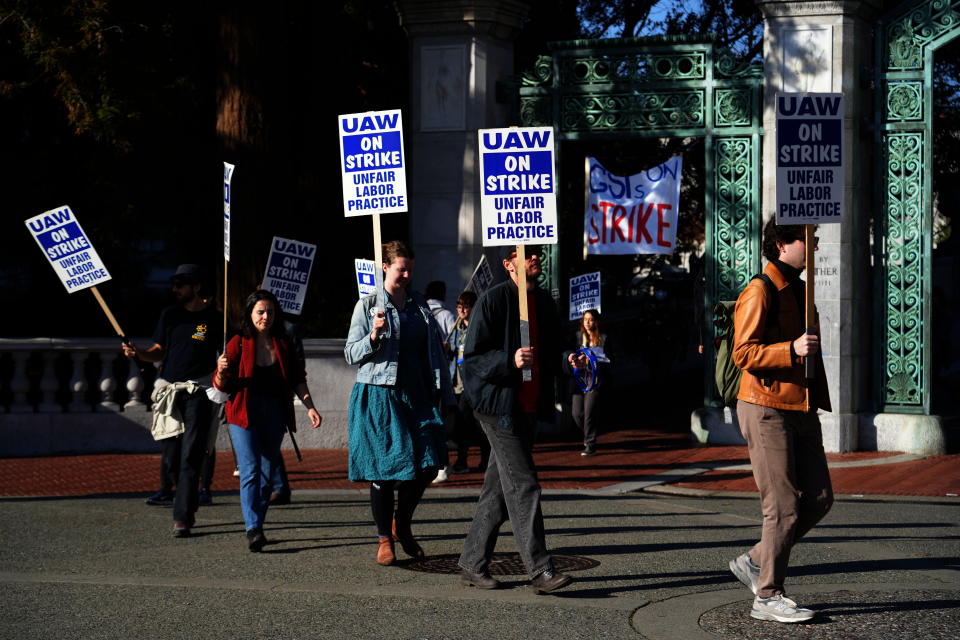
(777, 410)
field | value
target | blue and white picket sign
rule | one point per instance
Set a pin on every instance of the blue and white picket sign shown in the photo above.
(632, 214)
(518, 196)
(372, 163)
(66, 246)
(227, 177)
(810, 180)
(288, 272)
(482, 277)
(366, 276)
(584, 294)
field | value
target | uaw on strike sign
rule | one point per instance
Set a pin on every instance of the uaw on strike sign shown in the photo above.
(632, 214)
(371, 163)
(809, 158)
(288, 272)
(66, 247)
(518, 201)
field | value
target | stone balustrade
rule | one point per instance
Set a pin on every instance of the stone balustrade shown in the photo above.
(81, 395)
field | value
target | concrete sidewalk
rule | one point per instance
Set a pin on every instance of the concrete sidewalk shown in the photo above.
(91, 560)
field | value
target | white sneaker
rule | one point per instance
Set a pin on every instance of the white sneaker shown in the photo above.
(745, 571)
(441, 476)
(779, 608)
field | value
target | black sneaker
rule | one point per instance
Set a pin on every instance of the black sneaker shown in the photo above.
(589, 451)
(256, 540)
(205, 499)
(181, 529)
(162, 498)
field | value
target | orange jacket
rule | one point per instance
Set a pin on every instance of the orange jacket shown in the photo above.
(772, 376)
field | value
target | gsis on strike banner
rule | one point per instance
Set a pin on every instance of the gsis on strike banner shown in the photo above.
(517, 186)
(632, 214)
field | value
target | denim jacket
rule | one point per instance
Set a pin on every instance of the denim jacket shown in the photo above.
(378, 363)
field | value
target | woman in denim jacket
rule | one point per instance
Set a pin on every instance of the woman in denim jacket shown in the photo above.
(397, 437)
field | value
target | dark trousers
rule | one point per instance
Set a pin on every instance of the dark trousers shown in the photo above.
(466, 430)
(197, 412)
(510, 491)
(790, 468)
(585, 411)
(171, 452)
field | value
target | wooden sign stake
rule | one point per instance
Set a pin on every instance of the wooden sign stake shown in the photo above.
(378, 261)
(106, 310)
(527, 372)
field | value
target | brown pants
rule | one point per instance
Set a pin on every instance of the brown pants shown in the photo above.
(790, 468)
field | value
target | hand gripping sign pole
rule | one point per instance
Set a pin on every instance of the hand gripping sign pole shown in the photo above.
(227, 177)
(518, 201)
(373, 172)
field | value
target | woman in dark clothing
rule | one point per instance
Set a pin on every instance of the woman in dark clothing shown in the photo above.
(585, 408)
(261, 372)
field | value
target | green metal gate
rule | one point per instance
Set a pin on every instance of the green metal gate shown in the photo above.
(906, 41)
(666, 86)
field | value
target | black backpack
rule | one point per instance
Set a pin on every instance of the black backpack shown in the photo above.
(727, 374)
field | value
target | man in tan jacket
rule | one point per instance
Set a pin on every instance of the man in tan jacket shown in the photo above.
(777, 409)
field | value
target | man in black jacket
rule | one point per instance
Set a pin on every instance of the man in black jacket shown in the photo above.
(507, 409)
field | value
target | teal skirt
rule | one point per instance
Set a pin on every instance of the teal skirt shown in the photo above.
(391, 437)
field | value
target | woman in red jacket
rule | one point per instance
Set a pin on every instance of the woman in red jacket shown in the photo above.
(261, 372)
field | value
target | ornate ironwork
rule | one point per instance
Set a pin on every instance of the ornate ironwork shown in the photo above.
(733, 107)
(663, 86)
(633, 68)
(918, 27)
(736, 214)
(535, 111)
(905, 101)
(627, 111)
(541, 74)
(904, 269)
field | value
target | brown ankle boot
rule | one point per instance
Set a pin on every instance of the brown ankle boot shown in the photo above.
(405, 537)
(385, 554)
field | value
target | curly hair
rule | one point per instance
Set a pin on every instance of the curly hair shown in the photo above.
(774, 233)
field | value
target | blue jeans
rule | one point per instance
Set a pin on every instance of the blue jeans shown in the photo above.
(510, 491)
(258, 449)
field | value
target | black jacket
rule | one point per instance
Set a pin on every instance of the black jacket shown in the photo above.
(491, 379)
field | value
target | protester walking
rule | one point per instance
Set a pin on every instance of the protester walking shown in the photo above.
(397, 437)
(777, 409)
(508, 409)
(261, 372)
(466, 430)
(586, 401)
(186, 342)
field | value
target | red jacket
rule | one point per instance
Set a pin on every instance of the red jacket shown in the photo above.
(236, 380)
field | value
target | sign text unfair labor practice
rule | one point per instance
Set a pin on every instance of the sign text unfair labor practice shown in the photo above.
(65, 245)
(517, 186)
(372, 163)
(810, 180)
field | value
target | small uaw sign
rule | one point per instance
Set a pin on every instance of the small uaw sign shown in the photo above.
(518, 200)
(810, 180)
(482, 277)
(66, 246)
(584, 294)
(366, 276)
(288, 272)
(372, 163)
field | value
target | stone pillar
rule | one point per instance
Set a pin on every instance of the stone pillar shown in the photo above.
(459, 50)
(828, 47)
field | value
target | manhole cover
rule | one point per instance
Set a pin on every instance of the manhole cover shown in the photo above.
(846, 615)
(502, 564)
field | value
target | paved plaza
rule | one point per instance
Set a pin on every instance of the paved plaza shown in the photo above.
(649, 561)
